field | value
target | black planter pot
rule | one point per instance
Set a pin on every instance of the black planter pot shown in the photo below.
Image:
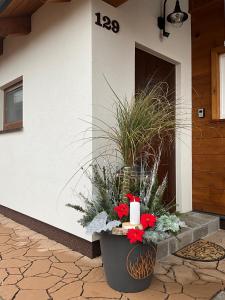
(128, 268)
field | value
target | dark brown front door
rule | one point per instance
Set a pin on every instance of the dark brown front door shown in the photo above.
(153, 69)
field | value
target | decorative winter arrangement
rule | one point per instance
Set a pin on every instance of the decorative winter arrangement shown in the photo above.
(140, 215)
(127, 207)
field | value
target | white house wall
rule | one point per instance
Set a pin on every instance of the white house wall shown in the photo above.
(63, 62)
(35, 164)
(114, 58)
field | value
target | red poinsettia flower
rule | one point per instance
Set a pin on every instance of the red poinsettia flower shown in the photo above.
(135, 235)
(148, 220)
(133, 198)
(122, 210)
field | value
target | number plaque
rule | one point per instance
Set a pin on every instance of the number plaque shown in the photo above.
(107, 23)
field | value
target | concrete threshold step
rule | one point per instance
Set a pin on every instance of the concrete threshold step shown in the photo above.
(199, 225)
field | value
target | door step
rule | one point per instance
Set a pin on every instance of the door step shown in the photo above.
(199, 226)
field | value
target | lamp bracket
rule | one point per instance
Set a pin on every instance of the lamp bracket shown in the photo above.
(162, 21)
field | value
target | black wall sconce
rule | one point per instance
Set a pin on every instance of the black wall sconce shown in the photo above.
(177, 18)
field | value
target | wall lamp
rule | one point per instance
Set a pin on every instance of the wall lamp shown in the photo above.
(177, 18)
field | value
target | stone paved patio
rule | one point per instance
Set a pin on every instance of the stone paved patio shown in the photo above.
(32, 267)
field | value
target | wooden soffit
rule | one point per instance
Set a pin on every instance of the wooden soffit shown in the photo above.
(15, 8)
(196, 5)
(18, 8)
(15, 15)
(115, 3)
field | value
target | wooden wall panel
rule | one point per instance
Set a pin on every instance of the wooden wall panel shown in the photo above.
(208, 132)
(202, 179)
(208, 31)
(208, 197)
(215, 148)
(208, 163)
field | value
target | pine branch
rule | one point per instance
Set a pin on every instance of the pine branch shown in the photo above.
(76, 207)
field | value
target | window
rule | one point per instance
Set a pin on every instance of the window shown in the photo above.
(222, 85)
(218, 83)
(13, 107)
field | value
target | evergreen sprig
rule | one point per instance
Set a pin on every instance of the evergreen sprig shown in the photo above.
(105, 198)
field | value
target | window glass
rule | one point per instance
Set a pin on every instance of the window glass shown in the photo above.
(14, 105)
(222, 85)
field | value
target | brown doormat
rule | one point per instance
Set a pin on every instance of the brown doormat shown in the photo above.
(202, 250)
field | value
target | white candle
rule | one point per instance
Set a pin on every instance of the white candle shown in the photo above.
(135, 213)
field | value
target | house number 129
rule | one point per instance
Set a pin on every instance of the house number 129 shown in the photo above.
(107, 23)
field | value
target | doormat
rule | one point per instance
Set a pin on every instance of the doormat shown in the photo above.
(202, 250)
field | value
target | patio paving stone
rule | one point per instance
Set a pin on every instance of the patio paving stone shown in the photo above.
(7, 292)
(38, 283)
(157, 285)
(67, 256)
(34, 295)
(184, 275)
(67, 267)
(57, 272)
(173, 288)
(13, 262)
(179, 297)
(38, 267)
(196, 290)
(99, 290)
(68, 291)
(12, 279)
(147, 294)
(34, 267)
(95, 275)
(210, 272)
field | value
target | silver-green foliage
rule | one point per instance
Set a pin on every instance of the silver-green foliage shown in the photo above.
(169, 223)
(154, 236)
(100, 223)
(165, 226)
